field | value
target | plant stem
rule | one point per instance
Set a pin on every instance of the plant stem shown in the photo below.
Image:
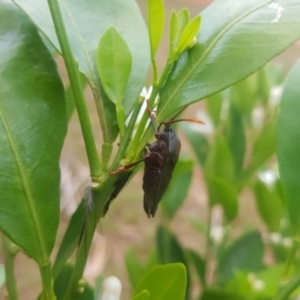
(9, 252)
(75, 81)
(47, 281)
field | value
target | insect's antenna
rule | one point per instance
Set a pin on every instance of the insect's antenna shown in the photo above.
(187, 120)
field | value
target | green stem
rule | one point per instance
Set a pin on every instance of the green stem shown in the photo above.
(9, 252)
(47, 281)
(75, 81)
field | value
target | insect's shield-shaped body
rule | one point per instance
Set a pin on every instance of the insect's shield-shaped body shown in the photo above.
(159, 166)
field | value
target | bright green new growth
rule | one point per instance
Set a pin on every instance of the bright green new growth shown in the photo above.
(182, 33)
(156, 20)
(114, 63)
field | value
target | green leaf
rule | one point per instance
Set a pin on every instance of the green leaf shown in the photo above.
(242, 96)
(134, 268)
(242, 41)
(33, 126)
(164, 282)
(236, 138)
(269, 205)
(2, 275)
(62, 281)
(114, 63)
(98, 286)
(219, 177)
(220, 294)
(183, 18)
(143, 295)
(264, 147)
(178, 188)
(200, 266)
(214, 106)
(156, 20)
(245, 254)
(169, 251)
(197, 140)
(271, 278)
(173, 30)
(86, 21)
(71, 238)
(188, 34)
(198, 225)
(288, 145)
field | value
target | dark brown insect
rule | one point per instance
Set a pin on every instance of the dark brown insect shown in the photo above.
(160, 160)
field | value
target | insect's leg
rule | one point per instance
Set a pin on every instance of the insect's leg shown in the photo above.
(126, 167)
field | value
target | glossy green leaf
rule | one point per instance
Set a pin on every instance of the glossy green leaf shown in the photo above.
(164, 282)
(189, 32)
(134, 269)
(178, 188)
(33, 125)
(214, 106)
(197, 140)
(269, 205)
(245, 254)
(219, 176)
(86, 21)
(264, 146)
(242, 41)
(143, 295)
(170, 251)
(182, 19)
(71, 238)
(114, 63)
(288, 145)
(2, 275)
(236, 138)
(156, 21)
(200, 266)
(221, 294)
